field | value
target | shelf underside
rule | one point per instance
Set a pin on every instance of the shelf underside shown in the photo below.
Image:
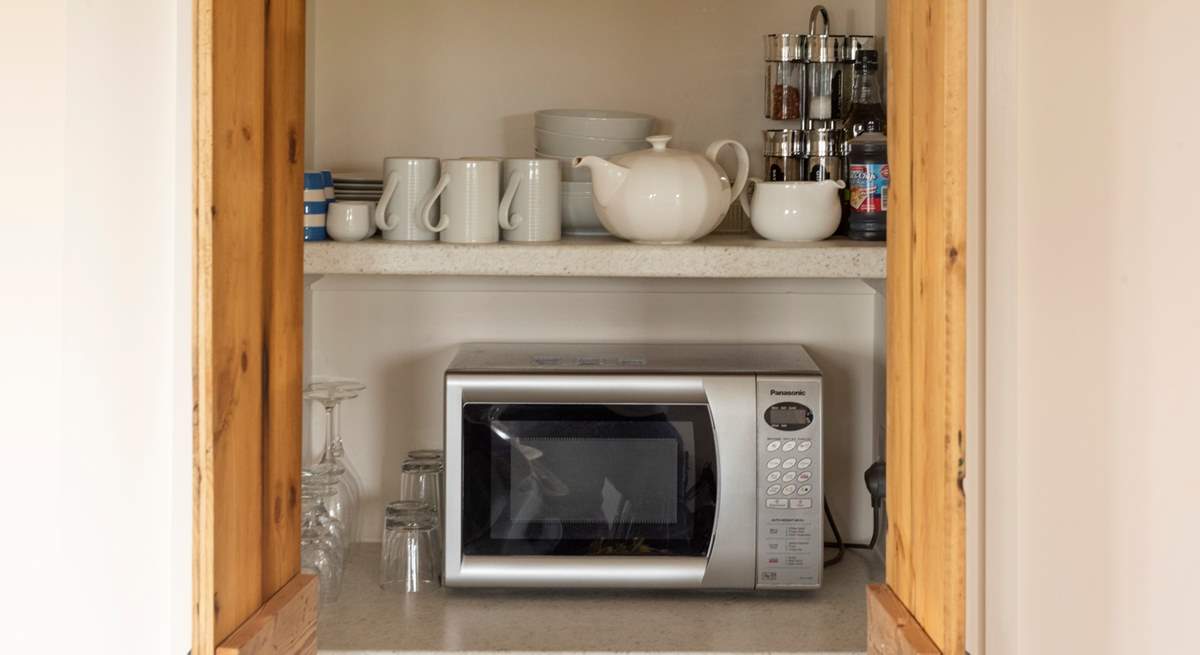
(717, 256)
(366, 619)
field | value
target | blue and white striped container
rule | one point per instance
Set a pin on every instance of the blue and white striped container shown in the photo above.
(315, 206)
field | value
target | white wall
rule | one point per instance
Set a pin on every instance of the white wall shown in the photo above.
(453, 79)
(1093, 326)
(397, 335)
(98, 228)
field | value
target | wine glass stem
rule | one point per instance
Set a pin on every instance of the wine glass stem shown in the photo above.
(337, 429)
(327, 452)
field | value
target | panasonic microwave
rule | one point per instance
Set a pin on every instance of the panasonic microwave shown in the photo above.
(633, 466)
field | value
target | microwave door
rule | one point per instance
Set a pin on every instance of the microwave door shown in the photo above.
(588, 480)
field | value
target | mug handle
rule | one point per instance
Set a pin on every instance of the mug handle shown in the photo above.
(381, 221)
(743, 164)
(427, 206)
(514, 183)
(745, 197)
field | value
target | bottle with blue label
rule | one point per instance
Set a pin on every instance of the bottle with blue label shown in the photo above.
(867, 183)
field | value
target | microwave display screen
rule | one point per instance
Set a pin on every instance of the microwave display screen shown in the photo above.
(547, 479)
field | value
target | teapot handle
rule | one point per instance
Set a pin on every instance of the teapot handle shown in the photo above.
(743, 168)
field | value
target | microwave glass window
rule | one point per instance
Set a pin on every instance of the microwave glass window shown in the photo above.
(588, 480)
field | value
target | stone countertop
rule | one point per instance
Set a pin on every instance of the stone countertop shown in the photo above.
(368, 620)
(716, 256)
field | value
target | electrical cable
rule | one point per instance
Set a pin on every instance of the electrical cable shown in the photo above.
(874, 478)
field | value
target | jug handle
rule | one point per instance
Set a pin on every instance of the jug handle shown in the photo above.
(818, 10)
(381, 221)
(427, 206)
(506, 203)
(743, 167)
(745, 197)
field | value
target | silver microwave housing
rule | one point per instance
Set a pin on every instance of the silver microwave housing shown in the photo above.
(730, 380)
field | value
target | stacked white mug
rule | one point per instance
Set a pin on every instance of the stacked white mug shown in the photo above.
(531, 209)
(408, 183)
(463, 203)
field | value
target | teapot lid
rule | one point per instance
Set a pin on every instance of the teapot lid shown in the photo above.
(658, 142)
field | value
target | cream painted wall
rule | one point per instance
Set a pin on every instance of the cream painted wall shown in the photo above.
(96, 337)
(450, 79)
(1093, 327)
(397, 335)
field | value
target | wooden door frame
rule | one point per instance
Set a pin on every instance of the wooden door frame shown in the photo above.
(926, 326)
(248, 113)
(247, 345)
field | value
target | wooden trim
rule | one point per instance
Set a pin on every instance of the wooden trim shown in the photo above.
(891, 630)
(284, 270)
(202, 462)
(248, 331)
(285, 625)
(926, 289)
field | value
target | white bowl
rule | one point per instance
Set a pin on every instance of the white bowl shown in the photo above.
(568, 145)
(579, 212)
(569, 172)
(595, 122)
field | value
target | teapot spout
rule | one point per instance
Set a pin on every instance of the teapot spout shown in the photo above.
(607, 177)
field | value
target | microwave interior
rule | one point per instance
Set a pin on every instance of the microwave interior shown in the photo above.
(588, 479)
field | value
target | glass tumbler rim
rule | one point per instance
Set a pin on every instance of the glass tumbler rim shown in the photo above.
(422, 466)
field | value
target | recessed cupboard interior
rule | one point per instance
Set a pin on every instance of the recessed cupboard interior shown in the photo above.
(463, 79)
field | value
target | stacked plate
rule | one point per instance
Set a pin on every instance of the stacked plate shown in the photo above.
(357, 186)
(565, 134)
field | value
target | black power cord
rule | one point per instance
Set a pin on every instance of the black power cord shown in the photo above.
(875, 478)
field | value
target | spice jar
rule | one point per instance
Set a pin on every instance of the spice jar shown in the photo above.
(783, 155)
(829, 69)
(822, 151)
(784, 76)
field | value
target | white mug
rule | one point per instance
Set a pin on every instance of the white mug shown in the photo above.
(408, 182)
(794, 211)
(470, 193)
(531, 209)
(349, 221)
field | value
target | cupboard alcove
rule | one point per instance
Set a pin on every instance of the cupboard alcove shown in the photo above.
(339, 85)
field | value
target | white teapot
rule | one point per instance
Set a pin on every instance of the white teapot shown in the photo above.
(664, 195)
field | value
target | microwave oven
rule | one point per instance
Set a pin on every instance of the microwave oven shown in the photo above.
(633, 466)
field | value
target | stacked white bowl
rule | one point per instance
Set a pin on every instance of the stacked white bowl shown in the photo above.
(565, 134)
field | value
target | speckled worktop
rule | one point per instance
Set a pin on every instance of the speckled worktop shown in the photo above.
(366, 619)
(716, 256)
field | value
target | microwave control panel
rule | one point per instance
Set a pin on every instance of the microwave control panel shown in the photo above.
(790, 554)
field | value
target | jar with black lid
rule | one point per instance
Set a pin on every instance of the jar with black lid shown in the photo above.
(783, 155)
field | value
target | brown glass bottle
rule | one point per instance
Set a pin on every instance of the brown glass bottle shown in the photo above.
(867, 113)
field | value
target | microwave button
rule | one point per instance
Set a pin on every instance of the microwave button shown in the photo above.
(789, 446)
(804, 489)
(804, 476)
(789, 476)
(773, 490)
(789, 489)
(804, 463)
(777, 503)
(799, 503)
(803, 445)
(773, 463)
(772, 446)
(773, 476)
(789, 462)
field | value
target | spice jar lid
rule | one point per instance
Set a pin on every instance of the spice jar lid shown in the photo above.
(856, 43)
(782, 143)
(785, 47)
(824, 143)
